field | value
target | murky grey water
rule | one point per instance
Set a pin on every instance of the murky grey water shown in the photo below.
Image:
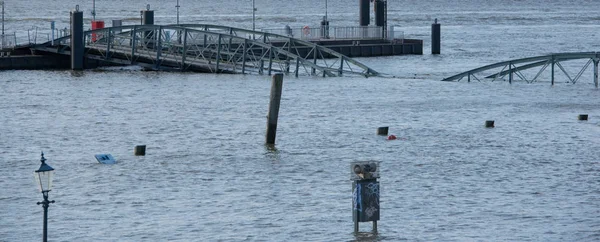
(208, 176)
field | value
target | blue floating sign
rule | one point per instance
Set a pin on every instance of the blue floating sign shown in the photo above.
(105, 159)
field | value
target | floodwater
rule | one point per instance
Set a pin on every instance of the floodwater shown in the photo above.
(208, 176)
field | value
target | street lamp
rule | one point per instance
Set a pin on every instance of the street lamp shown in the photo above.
(43, 178)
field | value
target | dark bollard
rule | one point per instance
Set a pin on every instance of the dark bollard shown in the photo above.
(489, 123)
(364, 15)
(272, 116)
(77, 48)
(582, 117)
(382, 130)
(435, 38)
(148, 19)
(140, 150)
(365, 193)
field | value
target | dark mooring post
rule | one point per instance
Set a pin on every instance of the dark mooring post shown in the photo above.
(276, 87)
(435, 38)
(77, 48)
(364, 16)
(365, 193)
(148, 19)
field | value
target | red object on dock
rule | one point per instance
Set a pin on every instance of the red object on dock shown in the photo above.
(97, 24)
(391, 137)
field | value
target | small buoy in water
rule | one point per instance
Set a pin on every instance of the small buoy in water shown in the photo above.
(582, 117)
(392, 137)
(489, 123)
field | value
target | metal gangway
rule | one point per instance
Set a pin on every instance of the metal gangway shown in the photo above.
(500, 70)
(210, 48)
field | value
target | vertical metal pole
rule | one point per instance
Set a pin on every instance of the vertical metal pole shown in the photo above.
(253, 16)
(275, 99)
(184, 51)
(177, 6)
(244, 56)
(341, 66)
(45, 205)
(325, 9)
(469, 77)
(108, 43)
(2, 3)
(297, 66)
(510, 73)
(596, 73)
(314, 71)
(270, 59)
(552, 70)
(158, 48)
(218, 53)
(133, 40)
(94, 10)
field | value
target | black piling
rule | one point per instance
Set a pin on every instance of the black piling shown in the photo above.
(272, 116)
(582, 117)
(77, 48)
(435, 38)
(489, 123)
(148, 19)
(364, 16)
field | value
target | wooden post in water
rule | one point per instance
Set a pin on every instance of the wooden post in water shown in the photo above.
(276, 87)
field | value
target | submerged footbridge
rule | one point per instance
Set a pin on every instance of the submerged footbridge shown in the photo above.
(209, 48)
(522, 68)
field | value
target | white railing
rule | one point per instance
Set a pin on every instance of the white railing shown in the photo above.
(323, 32)
(8, 41)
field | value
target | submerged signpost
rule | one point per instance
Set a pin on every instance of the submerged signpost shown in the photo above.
(365, 193)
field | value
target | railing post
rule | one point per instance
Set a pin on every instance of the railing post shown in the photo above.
(510, 73)
(297, 66)
(108, 43)
(552, 70)
(313, 70)
(270, 59)
(244, 56)
(596, 72)
(133, 40)
(341, 69)
(158, 47)
(184, 50)
(218, 53)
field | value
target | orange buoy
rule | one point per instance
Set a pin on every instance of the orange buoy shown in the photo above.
(392, 137)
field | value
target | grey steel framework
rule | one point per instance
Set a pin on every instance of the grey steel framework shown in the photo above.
(210, 48)
(517, 66)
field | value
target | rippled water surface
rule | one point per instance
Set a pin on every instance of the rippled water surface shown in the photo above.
(208, 176)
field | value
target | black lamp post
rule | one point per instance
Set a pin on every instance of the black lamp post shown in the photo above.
(43, 178)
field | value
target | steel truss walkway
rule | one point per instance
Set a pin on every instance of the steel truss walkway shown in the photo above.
(210, 48)
(500, 70)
